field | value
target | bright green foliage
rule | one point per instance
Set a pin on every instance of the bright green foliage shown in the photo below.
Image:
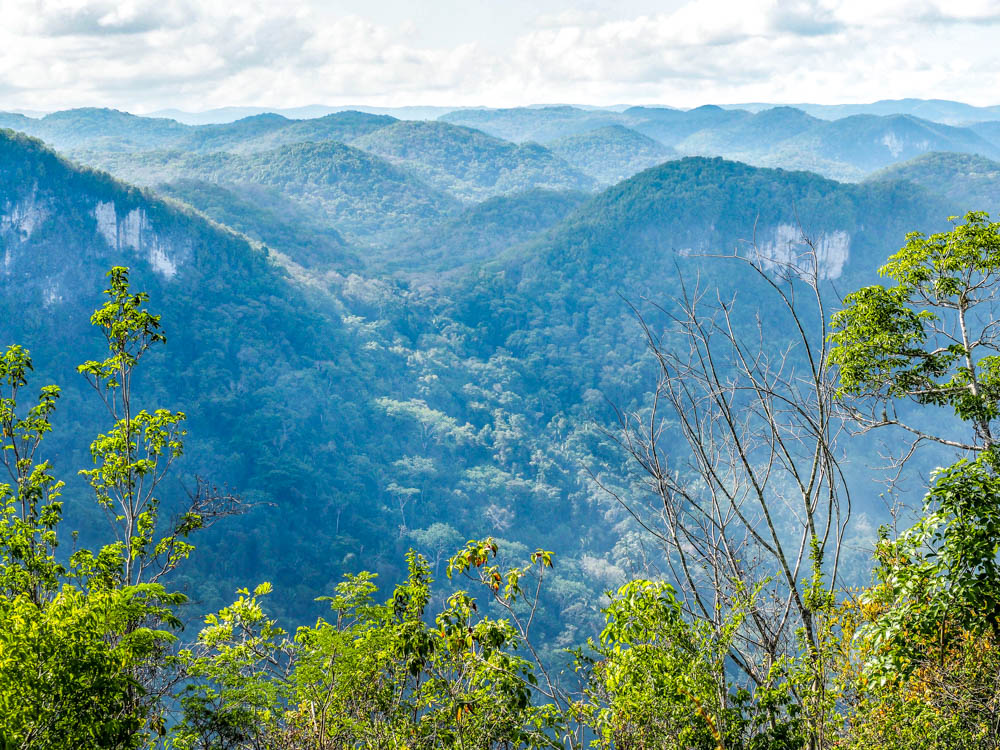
(240, 683)
(660, 686)
(130, 330)
(133, 457)
(940, 581)
(376, 675)
(659, 681)
(926, 639)
(67, 668)
(29, 509)
(456, 683)
(930, 337)
(83, 653)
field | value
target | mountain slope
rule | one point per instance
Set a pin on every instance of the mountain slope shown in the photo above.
(612, 153)
(628, 238)
(969, 182)
(988, 130)
(95, 128)
(936, 110)
(231, 136)
(749, 135)
(483, 231)
(671, 126)
(340, 126)
(265, 372)
(541, 124)
(265, 215)
(468, 163)
(864, 143)
(362, 196)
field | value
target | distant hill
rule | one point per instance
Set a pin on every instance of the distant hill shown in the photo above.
(969, 182)
(344, 126)
(362, 196)
(469, 163)
(231, 114)
(750, 136)
(483, 231)
(989, 130)
(612, 153)
(845, 149)
(16, 121)
(935, 110)
(266, 215)
(696, 205)
(547, 124)
(229, 137)
(90, 127)
(671, 126)
(863, 143)
(541, 124)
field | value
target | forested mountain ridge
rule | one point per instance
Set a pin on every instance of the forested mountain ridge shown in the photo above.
(477, 162)
(469, 163)
(630, 239)
(96, 129)
(964, 179)
(612, 153)
(246, 344)
(359, 194)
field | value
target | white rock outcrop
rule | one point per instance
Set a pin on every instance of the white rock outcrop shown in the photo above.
(784, 244)
(24, 217)
(134, 232)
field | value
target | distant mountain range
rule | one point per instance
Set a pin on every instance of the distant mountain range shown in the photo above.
(231, 114)
(936, 110)
(967, 181)
(583, 148)
(845, 149)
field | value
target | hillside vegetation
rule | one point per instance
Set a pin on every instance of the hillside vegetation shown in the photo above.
(518, 428)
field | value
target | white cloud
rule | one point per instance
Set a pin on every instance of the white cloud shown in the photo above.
(147, 54)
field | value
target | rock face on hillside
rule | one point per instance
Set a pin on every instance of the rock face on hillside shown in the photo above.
(61, 227)
(134, 231)
(783, 245)
(130, 235)
(19, 219)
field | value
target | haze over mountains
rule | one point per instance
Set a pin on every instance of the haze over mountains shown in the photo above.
(393, 332)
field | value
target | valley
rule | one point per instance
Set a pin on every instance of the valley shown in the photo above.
(392, 334)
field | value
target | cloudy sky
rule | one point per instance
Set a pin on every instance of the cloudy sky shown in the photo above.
(143, 55)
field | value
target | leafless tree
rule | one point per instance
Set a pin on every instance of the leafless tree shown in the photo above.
(739, 450)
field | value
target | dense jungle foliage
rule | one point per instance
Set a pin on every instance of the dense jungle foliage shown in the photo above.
(384, 388)
(92, 653)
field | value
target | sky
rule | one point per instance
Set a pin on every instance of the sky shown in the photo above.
(146, 55)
